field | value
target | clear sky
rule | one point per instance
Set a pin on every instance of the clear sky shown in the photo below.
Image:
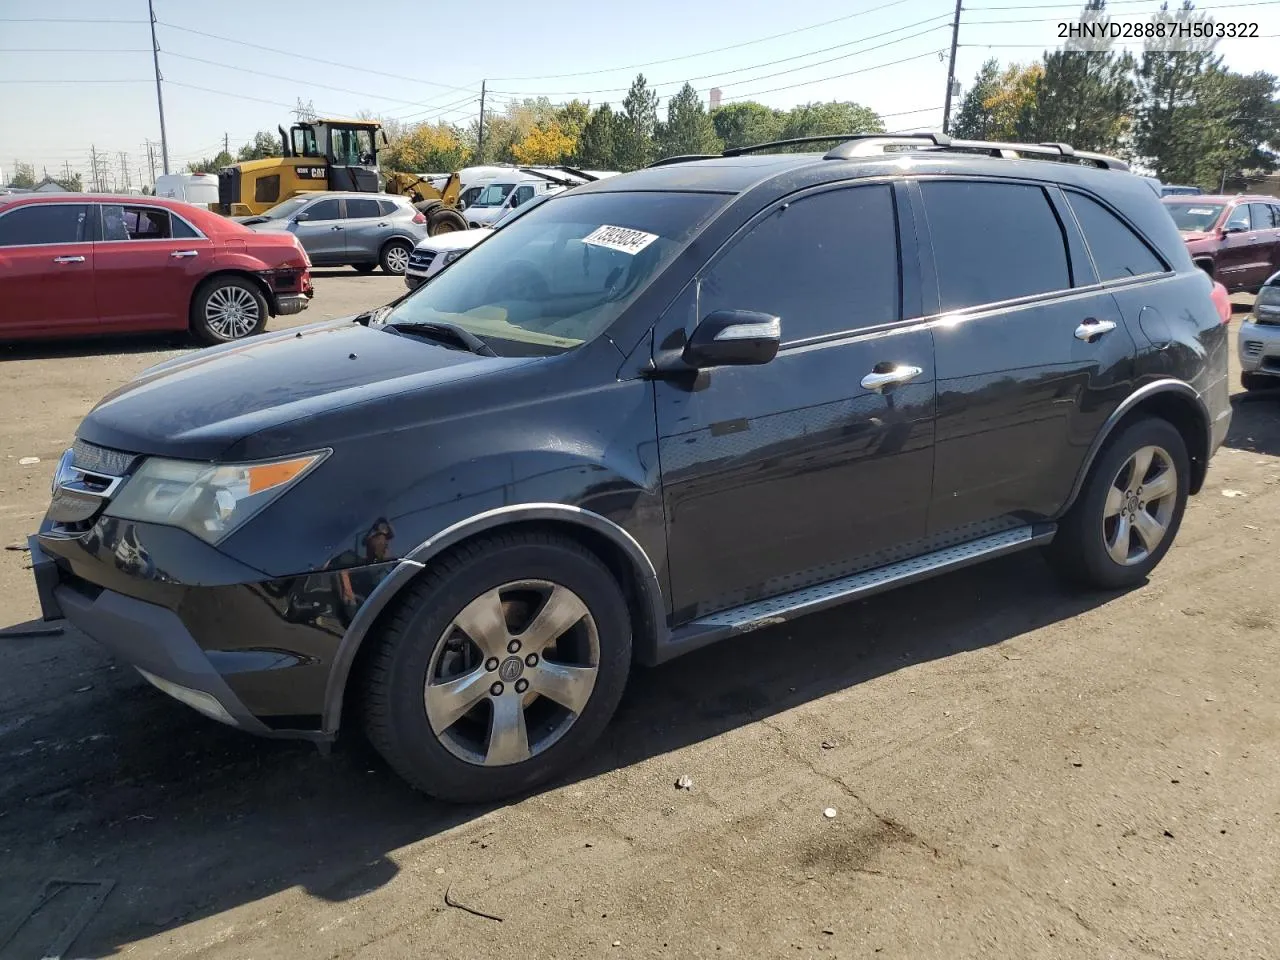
(71, 84)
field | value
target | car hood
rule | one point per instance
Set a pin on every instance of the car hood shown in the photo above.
(457, 240)
(199, 405)
(264, 226)
(1193, 235)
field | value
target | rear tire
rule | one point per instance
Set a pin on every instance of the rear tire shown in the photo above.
(1258, 381)
(227, 309)
(462, 694)
(365, 267)
(1129, 511)
(395, 257)
(445, 220)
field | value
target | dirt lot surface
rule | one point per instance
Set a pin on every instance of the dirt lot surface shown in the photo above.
(1017, 770)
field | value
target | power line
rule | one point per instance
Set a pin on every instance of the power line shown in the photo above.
(838, 76)
(144, 80)
(710, 76)
(61, 20)
(74, 50)
(703, 53)
(302, 56)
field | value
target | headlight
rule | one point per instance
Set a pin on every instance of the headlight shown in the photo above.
(452, 255)
(1268, 302)
(209, 500)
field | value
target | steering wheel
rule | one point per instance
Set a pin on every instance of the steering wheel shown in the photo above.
(520, 280)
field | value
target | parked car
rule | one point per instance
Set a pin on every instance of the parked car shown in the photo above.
(1259, 339)
(500, 198)
(348, 229)
(75, 265)
(435, 253)
(1235, 240)
(728, 393)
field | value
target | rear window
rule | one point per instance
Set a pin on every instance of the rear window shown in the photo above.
(1193, 215)
(993, 242)
(1117, 250)
(42, 223)
(562, 273)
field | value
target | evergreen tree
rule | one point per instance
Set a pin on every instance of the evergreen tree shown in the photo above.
(688, 129)
(635, 127)
(596, 147)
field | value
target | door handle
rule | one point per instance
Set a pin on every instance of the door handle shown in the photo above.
(68, 259)
(179, 254)
(384, 224)
(1091, 329)
(878, 381)
(335, 228)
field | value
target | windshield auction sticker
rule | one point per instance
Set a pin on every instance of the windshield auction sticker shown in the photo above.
(621, 239)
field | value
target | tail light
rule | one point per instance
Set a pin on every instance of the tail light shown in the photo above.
(419, 218)
(1222, 301)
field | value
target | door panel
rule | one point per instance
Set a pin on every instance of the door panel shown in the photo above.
(46, 286)
(322, 234)
(144, 278)
(1020, 394)
(792, 473)
(1233, 262)
(366, 228)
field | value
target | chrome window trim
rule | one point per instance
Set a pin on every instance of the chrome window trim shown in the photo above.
(199, 234)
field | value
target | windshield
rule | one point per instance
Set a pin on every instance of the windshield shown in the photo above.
(561, 275)
(1189, 215)
(492, 195)
(283, 211)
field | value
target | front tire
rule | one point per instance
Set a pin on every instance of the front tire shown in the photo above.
(1257, 381)
(226, 309)
(365, 267)
(499, 668)
(395, 257)
(1130, 509)
(445, 220)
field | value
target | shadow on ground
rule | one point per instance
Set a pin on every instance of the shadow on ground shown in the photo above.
(192, 819)
(1255, 421)
(96, 346)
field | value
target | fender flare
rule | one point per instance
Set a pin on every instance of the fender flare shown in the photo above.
(418, 558)
(1168, 385)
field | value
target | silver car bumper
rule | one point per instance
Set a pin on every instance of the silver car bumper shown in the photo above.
(291, 303)
(1259, 346)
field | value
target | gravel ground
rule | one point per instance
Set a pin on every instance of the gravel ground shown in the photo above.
(1017, 770)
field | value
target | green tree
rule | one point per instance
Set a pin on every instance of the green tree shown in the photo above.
(264, 144)
(596, 147)
(73, 183)
(24, 175)
(818, 119)
(688, 129)
(223, 159)
(746, 123)
(1086, 95)
(425, 148)
(998, 103)
(572, 118)
(1238, 119)
(635, 127)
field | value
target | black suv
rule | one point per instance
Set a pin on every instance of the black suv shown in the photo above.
(662, 410)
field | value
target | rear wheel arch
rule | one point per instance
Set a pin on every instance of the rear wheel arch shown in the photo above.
(609, 543)
(1171, 400)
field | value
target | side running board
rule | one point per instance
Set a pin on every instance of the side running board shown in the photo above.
(779, 609)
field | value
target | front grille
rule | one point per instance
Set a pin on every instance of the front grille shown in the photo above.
(420, 260)
(101, 460)
(1252, 348)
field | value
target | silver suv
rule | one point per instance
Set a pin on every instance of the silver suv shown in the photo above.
(348, 229)
(1260, 339)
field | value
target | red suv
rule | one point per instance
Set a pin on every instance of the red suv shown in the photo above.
(1236, 240)
(79, 265)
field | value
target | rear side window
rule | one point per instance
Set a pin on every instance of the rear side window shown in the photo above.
(1117, 250)
(826, 263)
(357, 209)
(134, 223)
(993, 242)
(182, 230)
(41, 223)
(386, 207)
(1261, 216)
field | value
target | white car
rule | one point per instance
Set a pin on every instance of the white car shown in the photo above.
(433, 254)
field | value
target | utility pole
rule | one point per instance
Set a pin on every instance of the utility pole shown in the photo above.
(226, 143)
(150, 147)
(480, 137)
(124, 170)
(951, 70)
(66, 166)
(155, 59)
(93, 169)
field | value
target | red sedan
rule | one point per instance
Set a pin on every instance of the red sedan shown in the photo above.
(83, 264)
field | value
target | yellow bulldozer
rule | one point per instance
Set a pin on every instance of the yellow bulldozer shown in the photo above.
(330, 154)
(438, 204)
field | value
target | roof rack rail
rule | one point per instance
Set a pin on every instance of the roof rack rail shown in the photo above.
(795, 141)
(871, 145)
(686, 158)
